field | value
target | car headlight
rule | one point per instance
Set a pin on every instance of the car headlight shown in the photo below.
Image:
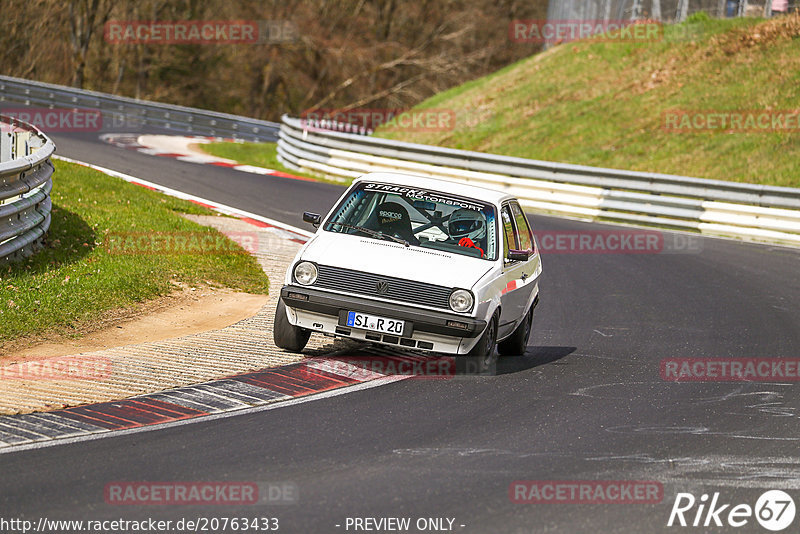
(461, 300)
(305, 273)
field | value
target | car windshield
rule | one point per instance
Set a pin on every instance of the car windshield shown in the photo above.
(416, 217)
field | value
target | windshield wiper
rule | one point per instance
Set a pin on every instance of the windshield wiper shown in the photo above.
(374, 233)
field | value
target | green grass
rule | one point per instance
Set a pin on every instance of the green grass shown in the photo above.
(74, 280)
(257, 154)
(602, 104)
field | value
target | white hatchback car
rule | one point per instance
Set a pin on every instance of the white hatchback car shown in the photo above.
(416, 263)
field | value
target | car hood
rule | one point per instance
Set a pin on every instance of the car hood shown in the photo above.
(393, 259)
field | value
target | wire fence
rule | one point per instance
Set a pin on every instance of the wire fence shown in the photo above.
(661, 10)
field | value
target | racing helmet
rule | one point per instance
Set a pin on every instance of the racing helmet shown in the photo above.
(467, 223)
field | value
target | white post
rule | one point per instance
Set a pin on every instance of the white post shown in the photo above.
(636, 10)
(656, 10)
(683, 10)
(6, 140)
(743, 7)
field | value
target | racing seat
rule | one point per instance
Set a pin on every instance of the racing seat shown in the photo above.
(392, 219)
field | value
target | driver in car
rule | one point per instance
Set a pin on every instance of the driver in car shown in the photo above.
(468, 228)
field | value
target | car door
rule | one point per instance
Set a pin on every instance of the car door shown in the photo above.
(520, 277)
(532, 268)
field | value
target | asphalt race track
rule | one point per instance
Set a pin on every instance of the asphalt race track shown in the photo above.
(586, 401)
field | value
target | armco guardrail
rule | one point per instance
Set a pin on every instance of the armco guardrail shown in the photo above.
(25, 184)
(122, 112)
(708, 206)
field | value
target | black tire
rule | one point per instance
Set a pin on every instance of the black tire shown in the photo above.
(482, 359)
(285, 334)
(515, 344)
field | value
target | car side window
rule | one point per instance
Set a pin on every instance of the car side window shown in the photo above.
(525, 237)
(509, 237)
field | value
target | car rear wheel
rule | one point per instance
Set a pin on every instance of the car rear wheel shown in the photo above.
(482, 359)
(515, 344)
(286, 335)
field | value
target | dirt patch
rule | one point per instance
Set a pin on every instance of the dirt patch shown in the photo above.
(181, 313)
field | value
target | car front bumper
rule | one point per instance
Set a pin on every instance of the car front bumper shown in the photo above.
(324, 311)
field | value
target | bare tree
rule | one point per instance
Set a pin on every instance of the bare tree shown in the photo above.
(349, 53)
(85, 17)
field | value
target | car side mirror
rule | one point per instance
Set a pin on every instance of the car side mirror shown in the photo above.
(312, 218)
(519, 255)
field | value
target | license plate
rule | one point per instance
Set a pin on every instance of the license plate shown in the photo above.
(372, 322)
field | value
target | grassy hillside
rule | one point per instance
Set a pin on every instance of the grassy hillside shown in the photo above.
(603, 104)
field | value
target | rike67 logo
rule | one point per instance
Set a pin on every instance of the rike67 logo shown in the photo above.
(774, 510)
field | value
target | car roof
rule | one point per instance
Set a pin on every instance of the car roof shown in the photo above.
(437, 184)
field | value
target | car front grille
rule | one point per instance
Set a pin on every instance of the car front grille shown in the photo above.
(397, 289)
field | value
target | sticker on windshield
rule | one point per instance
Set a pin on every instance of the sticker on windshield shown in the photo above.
(421, 194)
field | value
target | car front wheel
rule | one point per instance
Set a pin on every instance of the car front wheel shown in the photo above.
(286, 335)
(482, 359)
(516, 343)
